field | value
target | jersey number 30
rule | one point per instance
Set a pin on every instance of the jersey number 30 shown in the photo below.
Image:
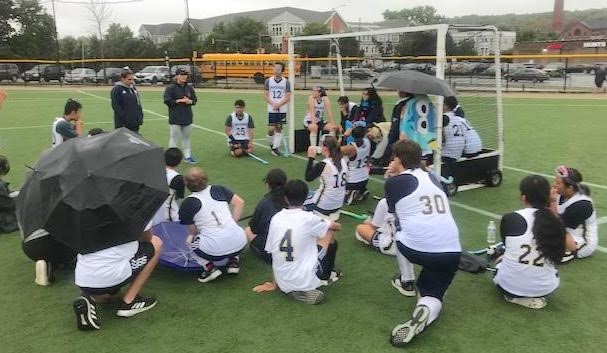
(285, 246)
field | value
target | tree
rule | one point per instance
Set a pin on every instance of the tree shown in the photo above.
(70, 48)
(419, 15)
(314, 49)
(118, 41)
(35, 34)
(240, 35)
(7, 15)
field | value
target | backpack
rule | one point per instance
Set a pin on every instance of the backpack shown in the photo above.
(472, 263)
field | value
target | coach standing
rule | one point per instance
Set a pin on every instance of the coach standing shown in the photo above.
(180, 97)
(126, 103)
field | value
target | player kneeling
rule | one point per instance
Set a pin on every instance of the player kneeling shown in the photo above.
(378, 232)
(302, 247)
(239, 128)
(358, 170)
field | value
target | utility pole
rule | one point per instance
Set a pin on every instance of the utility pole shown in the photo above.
(187, 15)
(56, 38)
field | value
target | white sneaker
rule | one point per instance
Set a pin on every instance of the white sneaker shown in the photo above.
(531, 303)
(41, 273)
(404, 333)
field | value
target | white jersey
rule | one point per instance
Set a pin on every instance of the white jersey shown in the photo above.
(454, 140)
(474, 143)
(292, 239)
(56, 137)
(332, 189)
(421, 209)
(277, 90)
(240, 127)
(523, 270)
(219, 233)
(358, 170)
(584, 231)
(319, 111)
(169, 211)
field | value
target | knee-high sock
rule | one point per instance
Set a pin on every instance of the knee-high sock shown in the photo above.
(313, 139)
(270, 139)
(277, 140)
(433, 304)
(405, 266)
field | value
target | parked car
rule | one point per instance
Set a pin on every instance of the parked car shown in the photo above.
(153, 74)
(197, 74)
(555, 69)
(579, 68)
(534, 75)
(34, 73)
(9, 72)
(112, 74)
(53, 73)
(361, 74)
(81, 75)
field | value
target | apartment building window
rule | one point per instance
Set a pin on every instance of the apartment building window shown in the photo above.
(276, 29)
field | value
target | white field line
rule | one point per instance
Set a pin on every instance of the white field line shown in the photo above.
(377, 180)
(552, 176)
(601, 220)
(91, 123)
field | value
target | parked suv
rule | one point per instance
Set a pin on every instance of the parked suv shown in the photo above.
(112, 74)
(53, 72)
(81, 75)
(153, 74)
(9, 72)
(34, 73)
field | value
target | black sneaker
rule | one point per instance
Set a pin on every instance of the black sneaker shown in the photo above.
(139, 305)
(334, 276)
(233, 267)
(406, 288)
(86, 314)
(275, 152)
(210, 273)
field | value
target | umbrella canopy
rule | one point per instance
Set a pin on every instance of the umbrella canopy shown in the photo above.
(94, 192)
(415, 82)
(176, 252)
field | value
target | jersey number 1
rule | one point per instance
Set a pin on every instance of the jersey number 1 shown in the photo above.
(285, 246)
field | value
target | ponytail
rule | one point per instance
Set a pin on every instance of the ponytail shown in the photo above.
(550, 234)
(334, 151)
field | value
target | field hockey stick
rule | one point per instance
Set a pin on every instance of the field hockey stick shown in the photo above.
(375, 197)
(245, 218)
(484, 250)
(262, 161)
(361, 217)
(286, 147)
(448, 180)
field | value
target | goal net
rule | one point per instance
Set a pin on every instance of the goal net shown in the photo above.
(467, 57)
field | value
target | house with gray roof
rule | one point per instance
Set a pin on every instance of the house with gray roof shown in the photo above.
(160, 33)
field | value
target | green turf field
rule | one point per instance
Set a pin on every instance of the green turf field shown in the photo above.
(360, 310)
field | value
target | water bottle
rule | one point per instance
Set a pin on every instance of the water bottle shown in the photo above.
(491, 232)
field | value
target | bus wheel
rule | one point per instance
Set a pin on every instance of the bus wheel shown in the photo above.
(259, 78)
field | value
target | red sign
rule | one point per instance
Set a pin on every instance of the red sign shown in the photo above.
(553, 46)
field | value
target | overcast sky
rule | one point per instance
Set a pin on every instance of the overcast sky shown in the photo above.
(72, 19)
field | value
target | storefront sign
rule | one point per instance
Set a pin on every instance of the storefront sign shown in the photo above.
(595, 44)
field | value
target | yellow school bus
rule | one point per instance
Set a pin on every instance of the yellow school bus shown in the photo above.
(253, 66)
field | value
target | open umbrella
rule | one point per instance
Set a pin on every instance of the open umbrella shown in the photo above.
(415, 82)
(176, 252)
(94, 192)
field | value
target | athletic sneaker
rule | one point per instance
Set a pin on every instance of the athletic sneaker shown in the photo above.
(275, 152)
(568, 257)
(334, 276)
(233, 267)
(389, 250)
(351, 196)
(406, 288)
(139, 305)
(86, 314)
(361, 239)
(313, 296)
(210, 273)
(363, 196)
(532, 303)
(404, 333)
(43, 269)
(190, 160)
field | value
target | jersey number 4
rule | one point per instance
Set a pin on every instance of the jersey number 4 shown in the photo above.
(285, 246)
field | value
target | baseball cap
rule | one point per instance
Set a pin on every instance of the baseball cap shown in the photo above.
(181, 72)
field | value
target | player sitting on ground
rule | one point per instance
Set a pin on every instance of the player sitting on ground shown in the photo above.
(571, 200)
(535, 241)
(303, 249)
(426, 235)
(358, 170)
(332, 172)
(272, 202)
(314, 121)
(473, 144)
(169, 211)
(214, 235)
(378, 232)
(239, 128)
(101, 274)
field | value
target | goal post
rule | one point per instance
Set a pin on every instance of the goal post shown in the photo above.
(490, 87)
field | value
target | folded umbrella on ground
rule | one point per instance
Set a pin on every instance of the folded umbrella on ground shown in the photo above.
(94, 192)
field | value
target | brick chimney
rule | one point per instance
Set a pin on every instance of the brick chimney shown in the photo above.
(557, 16)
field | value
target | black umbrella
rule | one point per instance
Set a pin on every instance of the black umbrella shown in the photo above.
(94, 192)
(415, 82)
